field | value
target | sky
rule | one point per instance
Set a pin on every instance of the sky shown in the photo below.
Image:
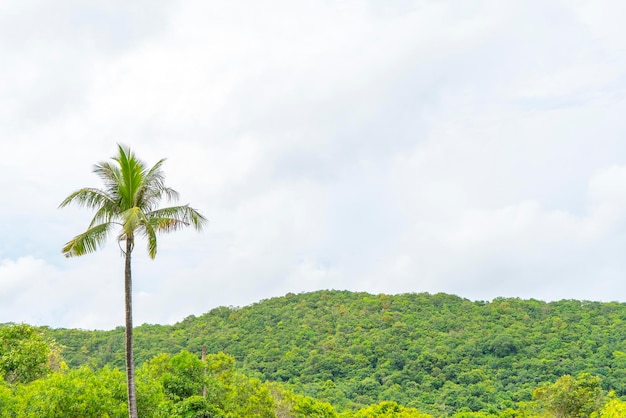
(475, 147)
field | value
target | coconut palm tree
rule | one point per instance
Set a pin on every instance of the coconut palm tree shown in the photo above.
(129, 203)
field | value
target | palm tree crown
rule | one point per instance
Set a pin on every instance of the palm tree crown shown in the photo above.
(129, 200)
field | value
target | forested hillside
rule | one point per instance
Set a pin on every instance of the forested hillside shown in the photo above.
(438, 353)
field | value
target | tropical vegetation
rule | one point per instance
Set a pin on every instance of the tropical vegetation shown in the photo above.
(347, 355)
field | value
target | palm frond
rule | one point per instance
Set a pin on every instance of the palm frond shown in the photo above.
(87, 242)
(90, 198)
(167, 225)
(131, 177)
(104, 214)
(149, 233)
(153, 188)
(178, 216)
(111, 176)
(131, 219)
(150, 197)
(154, 176)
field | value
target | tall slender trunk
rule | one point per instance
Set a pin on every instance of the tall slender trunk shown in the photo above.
(130, 361)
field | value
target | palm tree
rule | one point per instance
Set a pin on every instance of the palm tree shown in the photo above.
(129, 202)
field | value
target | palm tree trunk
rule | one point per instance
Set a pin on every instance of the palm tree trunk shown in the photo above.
(130, 361)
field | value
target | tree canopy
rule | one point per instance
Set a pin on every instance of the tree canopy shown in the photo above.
(440, 354)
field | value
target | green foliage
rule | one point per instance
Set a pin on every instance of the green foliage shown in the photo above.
(305, 406)
(290, 405)
(571, 397)
(614, 408)
(8, 402)
(440, 354)
(175, 384)
(74, 394)
(386, 409)
(25, 355)
(241, 396)
(196, 406)
(185, 377)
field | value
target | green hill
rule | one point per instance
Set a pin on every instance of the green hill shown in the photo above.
(439, 353)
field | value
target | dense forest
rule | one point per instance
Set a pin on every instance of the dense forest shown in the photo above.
(340, 353)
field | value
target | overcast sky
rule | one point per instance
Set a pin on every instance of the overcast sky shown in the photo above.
(468, 147)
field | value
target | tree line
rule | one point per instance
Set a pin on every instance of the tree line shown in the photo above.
(440, 354)
(36, 382)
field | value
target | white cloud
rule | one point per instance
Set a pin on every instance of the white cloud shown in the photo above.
(35, 292)
(407, 146)
(523, 250)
